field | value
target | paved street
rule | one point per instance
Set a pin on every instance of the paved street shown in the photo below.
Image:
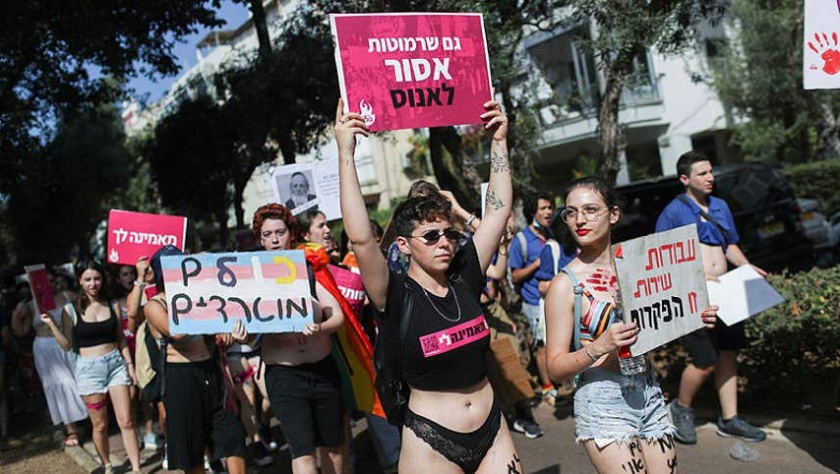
(794, 445)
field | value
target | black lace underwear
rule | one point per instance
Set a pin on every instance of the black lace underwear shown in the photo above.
(467, 450)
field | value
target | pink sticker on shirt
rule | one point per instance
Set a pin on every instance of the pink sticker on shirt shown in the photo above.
(452, 338)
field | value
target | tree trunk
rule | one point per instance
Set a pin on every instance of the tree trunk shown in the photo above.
(222, 219)
(828, 142)
(258, 13)
(287, 148)
(609, 130)
(238, 190)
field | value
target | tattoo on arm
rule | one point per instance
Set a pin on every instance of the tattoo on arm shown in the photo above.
(492, 200)
(499, 162)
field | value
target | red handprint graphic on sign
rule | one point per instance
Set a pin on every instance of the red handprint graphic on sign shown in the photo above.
(828, 50)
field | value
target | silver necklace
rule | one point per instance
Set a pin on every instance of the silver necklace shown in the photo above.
(457, 304)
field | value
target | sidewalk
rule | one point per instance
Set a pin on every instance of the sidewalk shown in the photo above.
(795, 443)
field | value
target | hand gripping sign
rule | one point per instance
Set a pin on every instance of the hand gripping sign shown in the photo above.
(207, 293)
(39, 284)
(662, 284)
(412, 70)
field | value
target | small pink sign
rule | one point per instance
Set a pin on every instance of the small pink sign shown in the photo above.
(351, 287)
(132, 235)
(39, 283)
(452, 338)
(412, 70)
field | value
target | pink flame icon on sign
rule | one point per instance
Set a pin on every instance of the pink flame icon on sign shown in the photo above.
(366, 111)
(829, 50)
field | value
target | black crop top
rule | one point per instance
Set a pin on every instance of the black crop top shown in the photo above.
(447, 339)
(93, 334)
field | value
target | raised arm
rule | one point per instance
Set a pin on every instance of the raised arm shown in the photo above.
(135, 297)
(499, 201)
(372, 264)
(64, 334)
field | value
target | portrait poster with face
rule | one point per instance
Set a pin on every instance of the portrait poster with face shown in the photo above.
(268, 291)
(821, 45)
(412, 70)
(39, 284)
(662, 285)
(306, 186)
(132, 235)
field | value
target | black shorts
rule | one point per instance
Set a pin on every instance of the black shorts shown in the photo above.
(307, 402)
(196, 418)
(703, 344)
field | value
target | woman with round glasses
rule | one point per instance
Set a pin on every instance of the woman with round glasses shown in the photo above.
(453, 422)
(620, 419)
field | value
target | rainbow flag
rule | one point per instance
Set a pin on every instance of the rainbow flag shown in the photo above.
(352, 350)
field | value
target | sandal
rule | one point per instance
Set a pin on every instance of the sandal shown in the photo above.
(72, 440)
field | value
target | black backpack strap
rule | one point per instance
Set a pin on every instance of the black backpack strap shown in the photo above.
(706, 216)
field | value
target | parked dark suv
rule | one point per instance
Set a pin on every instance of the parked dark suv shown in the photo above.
(762, 203)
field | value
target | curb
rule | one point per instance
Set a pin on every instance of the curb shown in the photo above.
(83, 457)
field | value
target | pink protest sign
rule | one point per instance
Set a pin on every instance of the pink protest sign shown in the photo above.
(351, 287)
(412, 70)
(132, 235)
(39, 283)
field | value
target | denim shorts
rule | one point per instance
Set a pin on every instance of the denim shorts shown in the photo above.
(610, 407)
(532, 315)
(95, 374)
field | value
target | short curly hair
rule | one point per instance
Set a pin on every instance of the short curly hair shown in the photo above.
(415, 210)
(275, 211)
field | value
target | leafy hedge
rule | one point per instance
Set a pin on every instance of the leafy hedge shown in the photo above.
(817, 180)
(793, 353)
(795, 347)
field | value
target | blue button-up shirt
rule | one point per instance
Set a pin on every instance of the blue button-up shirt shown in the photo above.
(678, 213)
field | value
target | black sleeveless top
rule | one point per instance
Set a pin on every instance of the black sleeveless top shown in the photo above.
(447, 338)
(93, 334)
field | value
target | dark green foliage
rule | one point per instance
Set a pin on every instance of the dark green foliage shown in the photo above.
(759, 78)
(191, 158)
(797, 343)
(817, 180)
(57, 201)
(48, 50)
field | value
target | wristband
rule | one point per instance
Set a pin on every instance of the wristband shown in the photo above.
(470, 220)
(140, 284)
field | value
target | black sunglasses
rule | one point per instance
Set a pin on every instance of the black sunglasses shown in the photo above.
(432, 236)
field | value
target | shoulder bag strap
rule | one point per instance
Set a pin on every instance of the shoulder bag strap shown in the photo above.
(578, 296)
(706, 216)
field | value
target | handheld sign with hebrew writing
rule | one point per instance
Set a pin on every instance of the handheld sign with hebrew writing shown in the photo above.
(207, 293)
(39, 284)
(662, 284)
(132, 235)
(412, 70)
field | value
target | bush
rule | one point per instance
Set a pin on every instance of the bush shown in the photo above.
(793, 356)
(817, 180)
(794, 347)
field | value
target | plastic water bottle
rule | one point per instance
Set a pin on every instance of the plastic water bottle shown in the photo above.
(629, 364)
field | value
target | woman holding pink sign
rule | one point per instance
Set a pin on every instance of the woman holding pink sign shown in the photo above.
(453, 420)
(53, 364)
(621, 420)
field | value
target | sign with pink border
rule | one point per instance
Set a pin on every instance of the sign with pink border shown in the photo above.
(412, 70)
